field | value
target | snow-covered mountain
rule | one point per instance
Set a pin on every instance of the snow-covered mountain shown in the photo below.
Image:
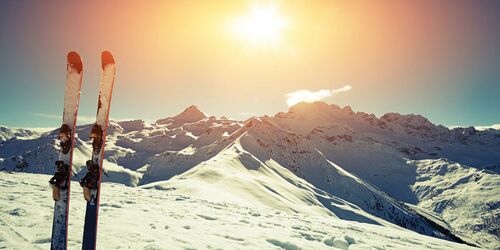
(17, 133)
(317, 159)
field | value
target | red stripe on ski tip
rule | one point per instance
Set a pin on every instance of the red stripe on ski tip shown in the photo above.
(75, 61)
(107, 58)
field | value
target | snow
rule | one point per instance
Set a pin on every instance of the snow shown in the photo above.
(141, 218)
(264, 165)
(19, 133)
(380, 150)
(132, 125)
(119, 174)
(315, 159)
(464, 197)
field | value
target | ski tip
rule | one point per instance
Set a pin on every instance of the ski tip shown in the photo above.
(107, 58)
(75, 61)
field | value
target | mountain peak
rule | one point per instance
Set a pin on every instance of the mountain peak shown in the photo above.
(315, 110)
(188, 115)
(193, 109)
(255, 122)
(411, 120)
(303, 106)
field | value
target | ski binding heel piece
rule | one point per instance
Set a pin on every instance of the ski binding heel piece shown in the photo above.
(96, 135)
(65, 138)
(90, 181)
(60, 179)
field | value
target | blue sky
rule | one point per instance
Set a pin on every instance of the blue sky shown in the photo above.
(439, 59)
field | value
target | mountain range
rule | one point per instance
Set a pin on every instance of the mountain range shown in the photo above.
(320, 159)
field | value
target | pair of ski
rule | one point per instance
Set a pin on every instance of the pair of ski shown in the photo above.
(91, 183)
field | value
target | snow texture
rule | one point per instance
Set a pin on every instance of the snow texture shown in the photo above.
(139, 218)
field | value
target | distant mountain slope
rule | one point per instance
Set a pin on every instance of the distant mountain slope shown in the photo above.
(18, 133)
(312, 153)
(376, 149)
(469, 200)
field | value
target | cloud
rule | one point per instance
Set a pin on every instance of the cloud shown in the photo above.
(313, 96)
(480, 128)
(343, 89)
(81, 118)
(246, 113)
(45, 115)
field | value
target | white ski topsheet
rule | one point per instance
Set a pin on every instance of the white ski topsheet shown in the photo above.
(105, 89)
(71, 100)
(72, 96)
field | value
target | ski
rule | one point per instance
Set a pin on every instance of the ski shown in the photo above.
(61, 180)
(91, 183)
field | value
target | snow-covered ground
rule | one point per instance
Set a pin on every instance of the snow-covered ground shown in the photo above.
(140, 218)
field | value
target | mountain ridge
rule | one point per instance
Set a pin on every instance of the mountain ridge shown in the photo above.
(387, 153)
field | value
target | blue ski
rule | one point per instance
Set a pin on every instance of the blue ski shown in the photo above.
(91, 183)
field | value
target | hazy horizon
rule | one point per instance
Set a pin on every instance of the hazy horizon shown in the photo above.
(84, 120)
(437, 59)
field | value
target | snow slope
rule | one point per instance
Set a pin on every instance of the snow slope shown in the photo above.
(377, 149)
(381, 151)
(270, 167)
(466, 198)
(138, 218)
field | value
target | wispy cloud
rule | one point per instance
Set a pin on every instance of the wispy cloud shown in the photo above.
(81, 118)
(45, 115)
(313, 96)
(246, 113)
(478, 127)
(482, 128)
(343, 89)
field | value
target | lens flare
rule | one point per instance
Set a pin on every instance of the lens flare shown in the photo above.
(263, 25)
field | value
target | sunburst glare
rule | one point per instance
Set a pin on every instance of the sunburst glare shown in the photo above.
(263, 25)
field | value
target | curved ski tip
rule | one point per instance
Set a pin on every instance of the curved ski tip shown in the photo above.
(75, 61)
(107, 58)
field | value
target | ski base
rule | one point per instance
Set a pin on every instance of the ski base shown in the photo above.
(90, 228)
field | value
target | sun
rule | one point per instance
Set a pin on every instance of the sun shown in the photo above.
(262, 25)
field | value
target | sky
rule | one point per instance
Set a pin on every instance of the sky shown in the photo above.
(440, 59)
